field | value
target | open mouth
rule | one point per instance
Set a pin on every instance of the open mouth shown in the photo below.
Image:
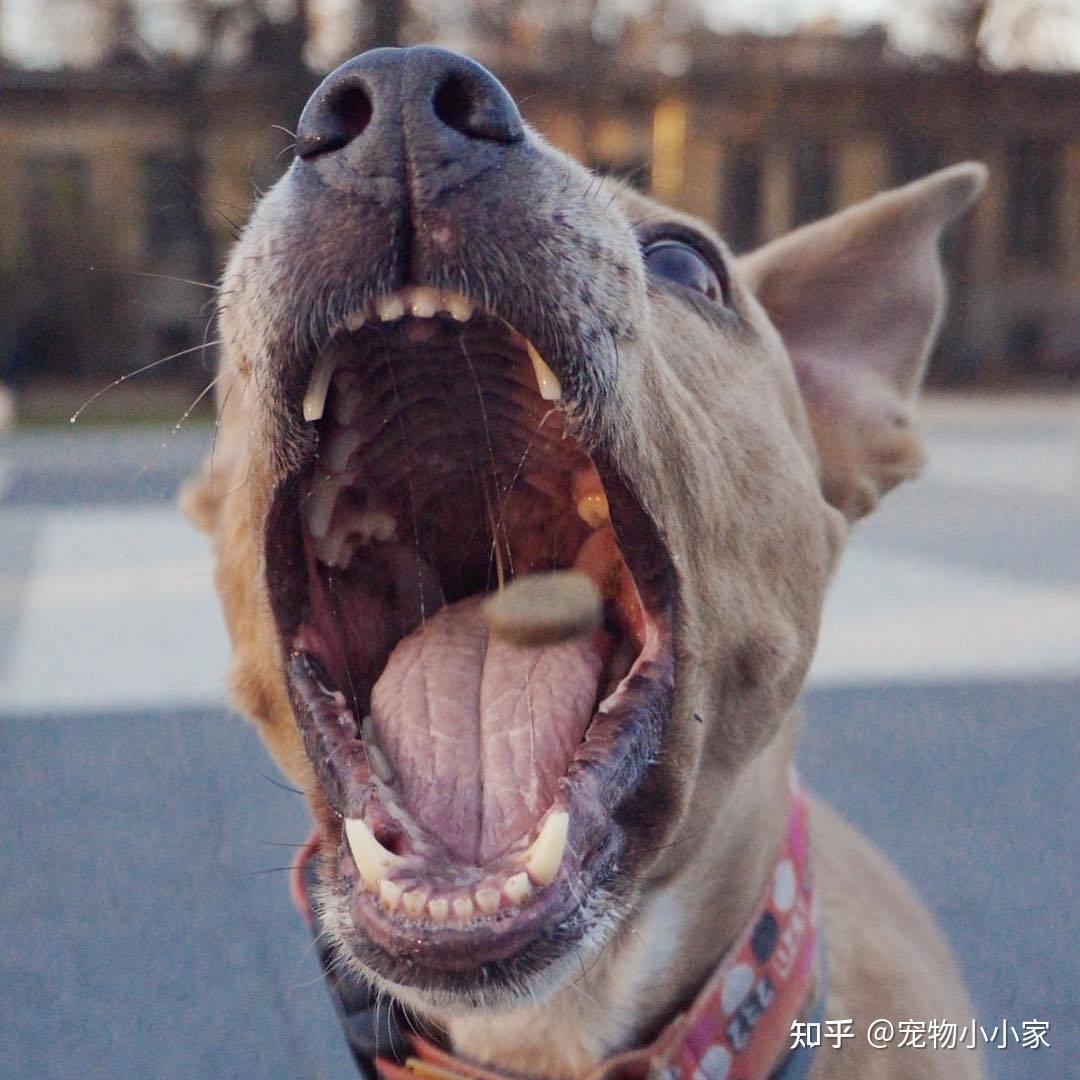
(478, 789)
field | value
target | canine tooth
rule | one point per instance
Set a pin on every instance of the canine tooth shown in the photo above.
(546, 380)
(415, 901)
(380, 766)
(389, 894)
(593, 509)
(517, 888)
(544, 857)
(458, 307)
(389, 308)
(373, 861)
(463, 908)
(439, 909)
(487, 900)
(318, 385)
(424, 302)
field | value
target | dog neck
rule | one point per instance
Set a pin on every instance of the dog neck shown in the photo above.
(682, 931)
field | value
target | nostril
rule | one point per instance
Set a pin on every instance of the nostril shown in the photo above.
(478, 107)
(353, 107)
(343, 115)
(453, 104)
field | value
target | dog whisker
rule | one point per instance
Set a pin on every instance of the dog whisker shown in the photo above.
(138, 371)
(279, 784)
(191, 408)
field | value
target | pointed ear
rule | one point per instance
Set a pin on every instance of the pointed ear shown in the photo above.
(858, 300)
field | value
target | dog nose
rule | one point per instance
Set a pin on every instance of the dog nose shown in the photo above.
(436, 98)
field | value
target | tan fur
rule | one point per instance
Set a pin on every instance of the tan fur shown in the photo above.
(752, 450)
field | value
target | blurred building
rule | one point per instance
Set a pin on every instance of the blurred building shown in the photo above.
(132, 166)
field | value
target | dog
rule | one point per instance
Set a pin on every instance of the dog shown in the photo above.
(454, 357)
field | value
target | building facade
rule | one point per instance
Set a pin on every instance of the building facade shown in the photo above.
(117, 181)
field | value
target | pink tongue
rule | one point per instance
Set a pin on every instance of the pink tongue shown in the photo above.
(480, 732)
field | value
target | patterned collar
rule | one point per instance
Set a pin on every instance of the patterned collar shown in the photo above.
(739, 1025)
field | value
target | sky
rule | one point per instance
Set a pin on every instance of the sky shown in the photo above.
(45, 32)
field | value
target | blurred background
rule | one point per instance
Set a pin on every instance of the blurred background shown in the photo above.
(145, 926)
(138, 132)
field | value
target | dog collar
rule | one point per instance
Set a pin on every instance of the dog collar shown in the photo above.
(738, 1027)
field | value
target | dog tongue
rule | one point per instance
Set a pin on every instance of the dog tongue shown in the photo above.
(479, 732)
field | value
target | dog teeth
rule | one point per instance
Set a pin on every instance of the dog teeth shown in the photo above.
(487, 900)
(415, 901)
(373, 861)
(458, 307)
(424, 302)
(374, 526)
(319, 506)
(420, 301)
(590, 497)
(546, 380)
(593, 509)
(544, 857)
(518, 888)
(389, 308)
(340, 448)
(318, 385)
(389, 894)
(356, 320)
(334, 550)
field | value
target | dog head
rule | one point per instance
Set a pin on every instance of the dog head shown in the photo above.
(451, 356)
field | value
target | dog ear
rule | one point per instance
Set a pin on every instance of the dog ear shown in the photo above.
(858, 300)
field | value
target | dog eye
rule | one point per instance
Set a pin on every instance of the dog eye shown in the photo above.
(680, 263)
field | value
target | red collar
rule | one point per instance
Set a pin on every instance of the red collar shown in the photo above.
(738, 1027)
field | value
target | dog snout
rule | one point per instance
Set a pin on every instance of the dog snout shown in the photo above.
(434, 106)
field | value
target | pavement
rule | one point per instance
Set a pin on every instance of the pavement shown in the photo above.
(146, 926)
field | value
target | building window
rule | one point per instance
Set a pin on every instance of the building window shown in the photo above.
(1033, 168)
(741, 213)
(914, 156)
(56, 197)
(813, 181)
(171, 193)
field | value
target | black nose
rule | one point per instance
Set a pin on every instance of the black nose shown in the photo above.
(430, 95)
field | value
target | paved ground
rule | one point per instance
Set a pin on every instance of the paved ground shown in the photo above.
(146, 930)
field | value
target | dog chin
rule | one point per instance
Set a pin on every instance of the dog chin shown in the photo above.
(532, 977)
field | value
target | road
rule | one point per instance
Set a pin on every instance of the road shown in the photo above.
(146, 925)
